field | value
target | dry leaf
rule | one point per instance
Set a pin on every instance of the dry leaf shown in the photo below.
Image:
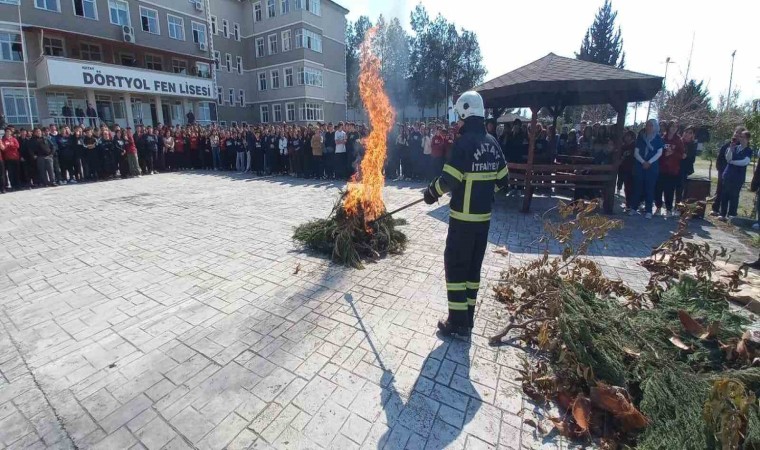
(298, 269)
(562, 427)
(502, 251)
(711, 332)
(564, 400)
(679, 343)
(582, 412)
(630, 352)
(616, 401)
(690, 325)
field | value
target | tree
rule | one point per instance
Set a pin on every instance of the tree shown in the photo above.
(603, 44)
(690, 104)
(355, 34)
(443, 61)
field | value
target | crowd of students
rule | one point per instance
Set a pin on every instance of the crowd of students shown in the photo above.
(47, 156)
(654, 166)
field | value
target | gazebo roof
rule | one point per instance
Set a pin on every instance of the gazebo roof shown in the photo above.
(559, 81)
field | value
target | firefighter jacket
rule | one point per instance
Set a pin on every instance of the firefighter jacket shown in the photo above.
(473, 172)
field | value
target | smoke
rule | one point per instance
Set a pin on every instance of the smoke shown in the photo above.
(398, 9)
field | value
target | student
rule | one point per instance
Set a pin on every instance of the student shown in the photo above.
(414, 153)
(131, 150)
(734, 176)
(230, 148)
(646, 169)
(329, 152)
(670, 171)
(42, 153)
(77, 144)
(169, 142)
(427, 152)
(215, 152)
(625, 171)
(341, 157)
(317, 150)
(720, 163)
(754, 187)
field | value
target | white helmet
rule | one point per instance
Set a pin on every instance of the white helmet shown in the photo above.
(470, 104)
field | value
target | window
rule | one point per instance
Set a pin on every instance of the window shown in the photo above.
(202, 69)
(204, 112)
(312, 112)
(90, 52)
(277, 113)
(231, 97)
(10, 2)
(288, 77)
(149, 20)
(154, 62)
(127, 59)
(225, 28)
(239, 61)
(257, 12)
(286, 41)
(10, 47)
(284, 7)
(309, 39)
(264, 113)
(262, 81)
(16, 106)
(290, 112)
(272, 44)
(86, 8)
(275, 79)
(270, 8)
(176, 27)
(241, 97)
(199, 32)
(309, 77)
(236, 31)
(219, 95)
(313, 6)
(179, 66)
(259, 47)
(228, 62)
(217, 59)
(52, 46)
(214, 25)
(119, 12)
(50, 5)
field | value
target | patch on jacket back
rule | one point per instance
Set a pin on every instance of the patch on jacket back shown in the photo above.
(490, 155)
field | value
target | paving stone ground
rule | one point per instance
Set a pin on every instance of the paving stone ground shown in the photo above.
(175, 312)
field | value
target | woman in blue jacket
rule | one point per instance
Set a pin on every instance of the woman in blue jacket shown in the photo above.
(646, 169)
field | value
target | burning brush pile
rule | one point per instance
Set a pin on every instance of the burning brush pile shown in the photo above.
(352, 232)
(670, 368)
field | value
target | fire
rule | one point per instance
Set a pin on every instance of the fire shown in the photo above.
(365, 191)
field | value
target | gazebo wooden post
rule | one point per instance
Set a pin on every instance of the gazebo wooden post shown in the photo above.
(531, 153)
(609, 199)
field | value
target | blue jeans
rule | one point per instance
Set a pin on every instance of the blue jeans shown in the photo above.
(644, 183)
(217, 158)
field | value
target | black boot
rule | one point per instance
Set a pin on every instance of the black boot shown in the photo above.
(753, 265)
(448, 328)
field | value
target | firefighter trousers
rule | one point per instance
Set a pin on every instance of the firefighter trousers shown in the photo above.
(465, 247)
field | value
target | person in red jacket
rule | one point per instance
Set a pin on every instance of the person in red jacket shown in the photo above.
(12, 158)
(670, 171)
(3, 181)
(438, 150)
(131, 148)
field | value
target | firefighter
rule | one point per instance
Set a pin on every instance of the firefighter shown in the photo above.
(474, 170)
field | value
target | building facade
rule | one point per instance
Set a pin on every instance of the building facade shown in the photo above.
(150, 61)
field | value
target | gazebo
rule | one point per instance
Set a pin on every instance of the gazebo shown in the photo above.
(555, 82)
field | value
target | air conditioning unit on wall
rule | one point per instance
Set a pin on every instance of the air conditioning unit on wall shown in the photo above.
(128, 33)
(199, 5)
(202, 46)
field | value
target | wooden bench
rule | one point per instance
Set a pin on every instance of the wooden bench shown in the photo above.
(564, 176)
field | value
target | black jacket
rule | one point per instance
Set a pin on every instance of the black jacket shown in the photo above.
(472, 173)
(40, 147)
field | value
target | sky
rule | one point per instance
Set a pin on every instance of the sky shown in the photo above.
(514, 33)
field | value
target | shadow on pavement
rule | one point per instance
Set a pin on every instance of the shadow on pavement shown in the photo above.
(421, 413)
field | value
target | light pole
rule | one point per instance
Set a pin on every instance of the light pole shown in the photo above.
(668, 62)
(730, 80)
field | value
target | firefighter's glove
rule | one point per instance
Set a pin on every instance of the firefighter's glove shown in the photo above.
(430, 196)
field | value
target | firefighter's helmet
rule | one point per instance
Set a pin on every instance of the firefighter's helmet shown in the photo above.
(470, 104)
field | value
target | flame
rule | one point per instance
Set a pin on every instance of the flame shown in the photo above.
(365, 190)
